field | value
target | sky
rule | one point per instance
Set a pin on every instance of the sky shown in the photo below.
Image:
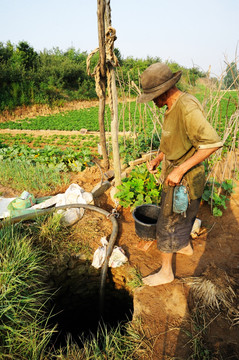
(201, 33)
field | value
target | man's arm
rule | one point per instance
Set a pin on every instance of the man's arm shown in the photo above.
(177, 173)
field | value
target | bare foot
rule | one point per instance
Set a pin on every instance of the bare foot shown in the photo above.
(187, 250)
(159, 278)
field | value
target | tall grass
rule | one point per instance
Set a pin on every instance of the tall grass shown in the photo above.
(50, 234)
(36, 178)
(23, 325)
(125, 342)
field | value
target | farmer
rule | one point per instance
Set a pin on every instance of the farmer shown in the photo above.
(187, 139)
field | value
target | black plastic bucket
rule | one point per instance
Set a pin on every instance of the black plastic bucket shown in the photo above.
(145, 217)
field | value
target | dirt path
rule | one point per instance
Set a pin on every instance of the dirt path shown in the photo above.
(56, 132)
(46, 132)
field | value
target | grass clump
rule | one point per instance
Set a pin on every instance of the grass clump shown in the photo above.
(125, 342)
(198, 337)
(23, 326)
(36, 178)
(135, 278)
(49, 233)
(214, 289)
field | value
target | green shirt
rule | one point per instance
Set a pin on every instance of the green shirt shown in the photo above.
(185, 130)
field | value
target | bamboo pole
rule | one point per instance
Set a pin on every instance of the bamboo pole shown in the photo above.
(102, 80)
(114, 109)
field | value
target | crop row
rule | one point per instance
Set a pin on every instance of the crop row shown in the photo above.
(50, 156)
(61, 141)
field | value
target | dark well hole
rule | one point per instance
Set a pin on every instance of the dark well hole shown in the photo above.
(77, 304)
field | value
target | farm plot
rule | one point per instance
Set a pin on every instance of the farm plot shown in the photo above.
(44, 162)
(175, 325)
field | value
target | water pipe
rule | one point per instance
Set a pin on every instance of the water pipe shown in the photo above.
(110, 246)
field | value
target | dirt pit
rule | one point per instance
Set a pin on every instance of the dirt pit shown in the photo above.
(80, 304)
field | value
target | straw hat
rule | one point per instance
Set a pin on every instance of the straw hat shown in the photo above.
(156, 80)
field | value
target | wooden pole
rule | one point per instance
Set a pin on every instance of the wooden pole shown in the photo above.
(101, 37)
(114, 115)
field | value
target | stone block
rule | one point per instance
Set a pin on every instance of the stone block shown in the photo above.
(100, 188)
(109, 174)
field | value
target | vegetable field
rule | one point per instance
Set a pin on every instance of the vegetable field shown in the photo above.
(140, 129)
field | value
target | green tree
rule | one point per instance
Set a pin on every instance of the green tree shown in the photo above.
(232, 76)
(6, 52)
(194, 74)
(119, 56)
(27, 55)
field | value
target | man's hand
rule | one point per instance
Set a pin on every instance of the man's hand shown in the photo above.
(174, 177)
(153, 164)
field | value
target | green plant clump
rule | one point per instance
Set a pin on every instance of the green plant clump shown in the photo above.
(135, 279)
(139, 188)
(131, 149)
(217, 194)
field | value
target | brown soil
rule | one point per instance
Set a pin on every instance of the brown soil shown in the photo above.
(165, 310)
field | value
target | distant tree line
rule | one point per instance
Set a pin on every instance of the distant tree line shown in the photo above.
(54, 76)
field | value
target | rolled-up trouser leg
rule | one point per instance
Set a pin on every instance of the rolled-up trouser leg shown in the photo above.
(173, 232)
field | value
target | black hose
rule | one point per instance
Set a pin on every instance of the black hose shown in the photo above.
(110, 246)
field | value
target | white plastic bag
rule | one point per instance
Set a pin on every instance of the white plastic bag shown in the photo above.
(117, 257)
(73, 195)
(4, 202)
(100, 254)
(196, 228)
